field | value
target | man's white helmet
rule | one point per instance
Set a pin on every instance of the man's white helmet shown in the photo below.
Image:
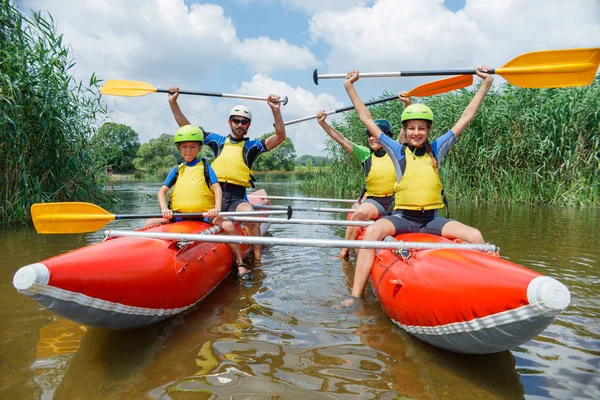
(241, 111)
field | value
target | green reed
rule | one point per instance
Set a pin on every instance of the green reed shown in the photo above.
(533, 146)
(47, 119)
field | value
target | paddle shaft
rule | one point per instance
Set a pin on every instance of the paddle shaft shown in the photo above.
(303, 199)
(199, 215)
(232, 96)
(307, 209)
(348, 108)
(442, 72)
(272, 241)
(298, 221)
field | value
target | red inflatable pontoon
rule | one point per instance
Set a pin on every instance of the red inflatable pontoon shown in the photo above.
(124, 283)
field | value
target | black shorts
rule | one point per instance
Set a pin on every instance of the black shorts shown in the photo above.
(233, 196)
(414, 221)
(382, 204)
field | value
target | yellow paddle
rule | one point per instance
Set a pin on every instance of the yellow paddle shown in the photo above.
(119, 87)
(79, 217)
(538, 69)
(427, 89)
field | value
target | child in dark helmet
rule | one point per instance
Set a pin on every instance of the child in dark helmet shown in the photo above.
(379, 172)
(418, 195)
(195, 188)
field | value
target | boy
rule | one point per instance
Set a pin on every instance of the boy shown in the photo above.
(195, 188)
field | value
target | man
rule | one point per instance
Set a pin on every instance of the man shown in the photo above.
(235, 154)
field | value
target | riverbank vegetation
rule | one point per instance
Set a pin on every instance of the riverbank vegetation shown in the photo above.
(531, 146)
(47, 119)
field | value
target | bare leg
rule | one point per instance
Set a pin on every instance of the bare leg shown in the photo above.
(458, 230)
(251, 230)
(364, 212)
(156, 221)
(229, 229)
(364, 262)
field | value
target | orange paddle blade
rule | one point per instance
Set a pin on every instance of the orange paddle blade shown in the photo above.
(69, 217)
(442, 86)
(118, 87)
(552, 68)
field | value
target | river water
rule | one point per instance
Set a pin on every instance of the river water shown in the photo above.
(279, 337)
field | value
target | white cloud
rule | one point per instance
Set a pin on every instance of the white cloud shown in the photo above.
(314, 6)
(162, 38)
(394, 36)
(308, 137)
(266, 55)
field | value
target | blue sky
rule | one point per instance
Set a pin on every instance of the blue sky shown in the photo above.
(257, 47)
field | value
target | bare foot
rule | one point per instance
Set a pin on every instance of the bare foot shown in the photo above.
(349, 302)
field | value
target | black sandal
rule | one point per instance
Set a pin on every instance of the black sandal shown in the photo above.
(244, 276)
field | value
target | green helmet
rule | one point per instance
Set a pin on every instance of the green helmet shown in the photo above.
(417, 111)
(189, 133)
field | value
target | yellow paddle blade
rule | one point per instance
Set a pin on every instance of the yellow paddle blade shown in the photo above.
(117, 87)
(552, 68)
(69, 217)
(442, 86)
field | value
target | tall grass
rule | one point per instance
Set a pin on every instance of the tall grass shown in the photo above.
(47, 119)
(533, 146)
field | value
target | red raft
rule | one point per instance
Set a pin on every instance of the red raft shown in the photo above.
(129, 282)
(462, 300)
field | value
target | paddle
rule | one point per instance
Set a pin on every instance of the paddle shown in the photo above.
(301, 242)
(427, 89)
(78, 217)
(119, 87)
(538, 69)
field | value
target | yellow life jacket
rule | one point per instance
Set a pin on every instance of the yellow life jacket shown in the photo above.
(192, 192)
(381, 177)
(420, 187)
(230, 166)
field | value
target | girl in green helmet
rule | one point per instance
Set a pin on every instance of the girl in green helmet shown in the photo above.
(378, 169)
(418, 189)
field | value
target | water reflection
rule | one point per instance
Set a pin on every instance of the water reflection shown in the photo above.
(278, 337)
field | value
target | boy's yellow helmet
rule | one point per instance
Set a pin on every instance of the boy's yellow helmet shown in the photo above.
(189, 133)
(417, 111)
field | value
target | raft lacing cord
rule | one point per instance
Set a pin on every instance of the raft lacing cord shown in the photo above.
(402, 251)
(213, 230)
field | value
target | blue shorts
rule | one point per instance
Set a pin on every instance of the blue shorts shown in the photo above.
(415, 221)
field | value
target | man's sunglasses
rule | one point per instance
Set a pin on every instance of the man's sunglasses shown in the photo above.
(243, 121)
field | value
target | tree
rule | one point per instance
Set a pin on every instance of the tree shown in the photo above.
(281, 158)
(118, 145)
(307, 160)
(158, 154)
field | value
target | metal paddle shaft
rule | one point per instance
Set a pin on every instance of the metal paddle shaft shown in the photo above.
(298, 221)
(283, 101)
(304, 199)
(338, 110)
(307, 209)
(441, 72)
(201, 215)
(271, 241)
